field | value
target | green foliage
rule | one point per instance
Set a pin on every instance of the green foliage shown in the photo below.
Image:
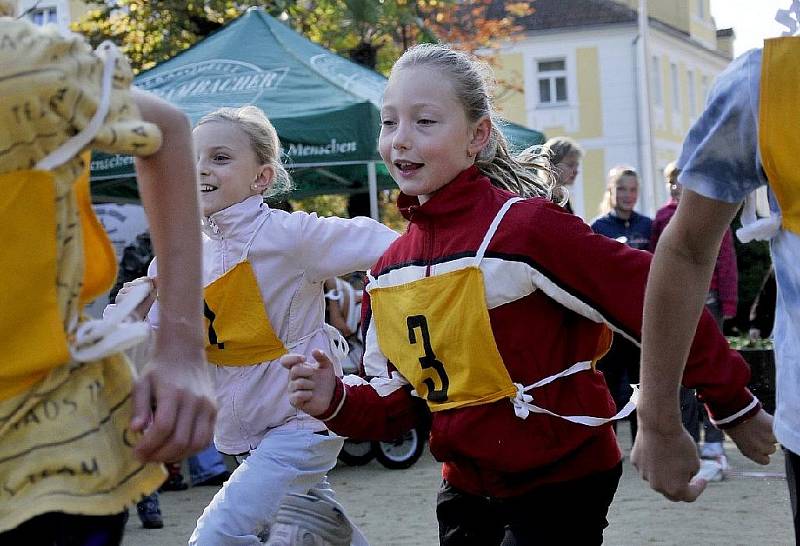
(151, 31)
(742, 343)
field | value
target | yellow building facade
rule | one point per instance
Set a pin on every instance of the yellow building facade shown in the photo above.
(579, 63)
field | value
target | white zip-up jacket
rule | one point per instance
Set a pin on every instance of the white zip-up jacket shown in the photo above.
(291, 256)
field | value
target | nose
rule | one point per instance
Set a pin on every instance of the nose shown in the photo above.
(202, 167)
(400, 140)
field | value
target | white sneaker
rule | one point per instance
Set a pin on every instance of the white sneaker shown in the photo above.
(306, 520)
(710, 470)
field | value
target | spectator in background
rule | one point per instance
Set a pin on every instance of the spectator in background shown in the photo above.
(721, 302)
(619, 221)
(565, 155)
(762, 312)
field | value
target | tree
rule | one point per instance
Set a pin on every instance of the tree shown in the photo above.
(372, 32)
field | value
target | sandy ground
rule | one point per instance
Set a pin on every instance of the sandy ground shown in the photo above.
(396, 507)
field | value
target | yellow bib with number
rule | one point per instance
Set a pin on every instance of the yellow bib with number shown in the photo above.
(238, 330)
(779, 137)
(31, 325)
(436, 332)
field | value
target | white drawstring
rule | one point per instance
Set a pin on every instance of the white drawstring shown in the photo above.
(524, 406)
(115, 332)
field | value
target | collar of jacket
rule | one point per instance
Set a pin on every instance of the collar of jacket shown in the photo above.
(236, 221)
(456, 197)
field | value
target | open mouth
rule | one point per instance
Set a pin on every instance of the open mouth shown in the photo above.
(408, 167)
(206, 188)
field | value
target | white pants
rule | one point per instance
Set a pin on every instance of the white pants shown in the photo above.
(288, 460)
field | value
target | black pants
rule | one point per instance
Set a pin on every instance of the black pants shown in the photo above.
(571, 512)
(59, 529)
(620, 367)
(793, 479)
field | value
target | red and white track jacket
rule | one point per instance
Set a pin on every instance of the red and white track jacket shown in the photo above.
(550, 284)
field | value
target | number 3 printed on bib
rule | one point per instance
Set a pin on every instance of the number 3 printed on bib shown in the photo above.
(428, 360)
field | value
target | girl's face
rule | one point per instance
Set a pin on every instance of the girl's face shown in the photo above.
(426, 139)
(625, 194)
(567, 169)
(227, 166)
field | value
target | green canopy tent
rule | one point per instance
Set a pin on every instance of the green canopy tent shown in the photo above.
(324, 107)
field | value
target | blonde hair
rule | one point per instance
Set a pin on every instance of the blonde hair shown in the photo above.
(671, 170)
(471, 80)
(263, 138)
(562, 146)
(6, 9)
(614, 176)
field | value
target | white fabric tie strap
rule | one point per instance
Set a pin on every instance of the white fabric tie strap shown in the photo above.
(115, 332)
(523, 402)
(755, 228)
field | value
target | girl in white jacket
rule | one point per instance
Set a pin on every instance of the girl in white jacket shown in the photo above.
(264, 271)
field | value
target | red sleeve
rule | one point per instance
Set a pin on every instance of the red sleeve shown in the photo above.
(727, 275)
(360, 412)
(609, 278)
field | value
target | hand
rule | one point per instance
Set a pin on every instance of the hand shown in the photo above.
(754, 437)
(173, 405)
(668, 461)
(143, 308)
(311, 387)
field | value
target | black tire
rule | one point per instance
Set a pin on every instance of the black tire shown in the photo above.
(402, 452)
(355, 453)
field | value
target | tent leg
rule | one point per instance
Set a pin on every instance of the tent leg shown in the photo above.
(372, 180)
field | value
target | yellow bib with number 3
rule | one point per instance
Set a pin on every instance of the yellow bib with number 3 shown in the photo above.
(238, 330)
(779, 138)
(436, 332)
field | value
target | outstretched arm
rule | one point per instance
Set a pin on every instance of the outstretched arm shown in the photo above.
(664, 453)
(173, 401)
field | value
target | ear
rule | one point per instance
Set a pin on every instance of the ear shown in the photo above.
(481, 132)
(265, 179)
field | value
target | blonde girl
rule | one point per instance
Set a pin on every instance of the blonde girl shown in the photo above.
(264, 271)
(491, 310)
(618, 219)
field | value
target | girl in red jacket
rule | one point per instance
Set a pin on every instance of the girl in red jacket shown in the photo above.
(490, 312)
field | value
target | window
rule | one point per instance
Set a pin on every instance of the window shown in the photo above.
(692, 93)
(701, 8)
(552, 81)
(676, 88)
(44, 16)
(655, 81)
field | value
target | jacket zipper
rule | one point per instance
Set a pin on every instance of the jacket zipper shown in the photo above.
(429, 253)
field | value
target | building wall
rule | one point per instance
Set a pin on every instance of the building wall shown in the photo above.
(66, 11)
(602, 110)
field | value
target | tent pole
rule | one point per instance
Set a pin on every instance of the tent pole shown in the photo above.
(372, 179)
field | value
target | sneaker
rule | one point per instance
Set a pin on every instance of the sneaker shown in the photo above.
(217, 480)
(306, 520)
(710, 470)
(174, 481)
(150, 512)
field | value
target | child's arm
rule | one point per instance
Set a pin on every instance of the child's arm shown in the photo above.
(664, 453)
(173, 401)
(367, 415)
(330, 247)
